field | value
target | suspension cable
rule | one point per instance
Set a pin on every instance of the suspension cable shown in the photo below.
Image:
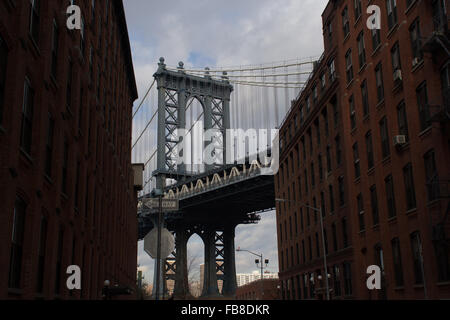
(143, 99)
(145, 129)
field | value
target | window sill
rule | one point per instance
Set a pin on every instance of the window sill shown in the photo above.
(357, 21)
(411, 212)
(362, 68)
(392, 30)
(408, 10)
(346, 38)
(380, 105)
(2, 130)
(14, 291)
(443, 284)
(366, 118)
(418, 66)
(386, 160)
(349, 84)
(425, 132)
(27, 157)
(376, 227)
(399, 288)
(398, 86)
(392, 220)
(376, 50)
(371, 171)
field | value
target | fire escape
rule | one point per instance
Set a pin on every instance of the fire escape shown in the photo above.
(438, 44)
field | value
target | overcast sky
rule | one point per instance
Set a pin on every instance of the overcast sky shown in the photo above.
(217, 33)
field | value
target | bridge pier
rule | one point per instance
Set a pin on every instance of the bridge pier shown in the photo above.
(181, 289)
(210, 287)
(229, 281)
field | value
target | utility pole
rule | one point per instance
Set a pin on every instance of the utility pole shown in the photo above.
(324, 255)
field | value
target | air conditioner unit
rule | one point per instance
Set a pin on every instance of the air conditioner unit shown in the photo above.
(415, 62)
(398, 75)
(399, 141)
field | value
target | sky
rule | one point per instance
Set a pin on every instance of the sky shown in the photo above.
(217, 33)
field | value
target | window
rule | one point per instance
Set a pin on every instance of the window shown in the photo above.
(315, 94)
(391, 7)
(360, 202)
(397, 261)
(334, 235)
(331, 194)
(49, 146)
(376, 39)
(27, 117)
(439, 15)
(41, 256)
(69, 85)
(325, 236)
(365, 98)
(341, 191)
(332, 70)
(431, 174)
(77, 186)
(320, 167)
(338, 151)
(34, 19)
(409, 187)
(349, 65)
(82, 37)
(322, 204)
(374, 205)
(3, 64)
(347, 278)
(390, 196)
(310, 248)
(416, 43)
(402, 120)
(336, 281)
(416, 248)
(330, 32)
(55, 41)
(65, 166)
(344, 233)
(313, 179)
(385, 145)
(345, 22)
(369, 147)
(395, 57)
(356, 162)
(379, 79)
(445, 83)
(329, 159)
(317, 125)
(308, 104)
(424, 108)
(361, 50)
(317, 245)
(351, 103)
(335, 111)
(17, 242)
(323, 81)
(358, 9)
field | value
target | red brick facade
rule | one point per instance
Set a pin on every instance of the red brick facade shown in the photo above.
(391, 87)
(269, 290)
(66, 182)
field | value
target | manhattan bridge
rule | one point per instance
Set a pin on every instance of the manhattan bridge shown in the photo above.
(214, 197)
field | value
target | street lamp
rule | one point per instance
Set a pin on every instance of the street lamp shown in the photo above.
(258, 262)
(319, 210)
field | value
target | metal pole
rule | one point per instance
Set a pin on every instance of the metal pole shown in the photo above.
(158, 253)
(324, 255)
(262, 277)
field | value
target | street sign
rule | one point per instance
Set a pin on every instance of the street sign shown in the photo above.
(167, 204)
(167, 243)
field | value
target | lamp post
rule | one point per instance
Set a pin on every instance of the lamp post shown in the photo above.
(257, 262)
(319, 210)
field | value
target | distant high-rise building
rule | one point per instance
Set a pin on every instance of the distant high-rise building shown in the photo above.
(246, 278)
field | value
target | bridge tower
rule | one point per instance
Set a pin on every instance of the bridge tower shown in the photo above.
(175, 89)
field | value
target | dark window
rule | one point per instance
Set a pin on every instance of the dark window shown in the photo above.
(310, 248)
(361, 50)
(77, 186)
(358, 9)
(55, 38)
(303, 251)
(376, 39)
(344, 233)
(3, 64)
(416, 248)
(34, 19)
(391, 7)
(334, 235)
(402, 120)
(351, 103)
(380, 85)
(347, 278)
(317, 245)
(356, 162)
(17, 242)
(360, 202)
(41, 257)
(416, 43)
(439, 15)
(332, 70)
(329, 159)
(320, 167)
(65, 166)
(385, 145)
(322, 204)
(336, 281)
(390, 196)
(49, 146)
(395, 55)
(365, 98)
(409, 187)
(59, 253)
(369, 147)
(341, 191)
(431, 175)
(69, 85)
(397, 261)
(374, 205)
(424, 108)
(27, 117)
(331, 193)
(338, 151)
(349, 65)
(313, 180)
(345, 22)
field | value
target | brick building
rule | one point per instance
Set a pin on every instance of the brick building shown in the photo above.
(368, 142)
(269, 290)
(67, 194)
